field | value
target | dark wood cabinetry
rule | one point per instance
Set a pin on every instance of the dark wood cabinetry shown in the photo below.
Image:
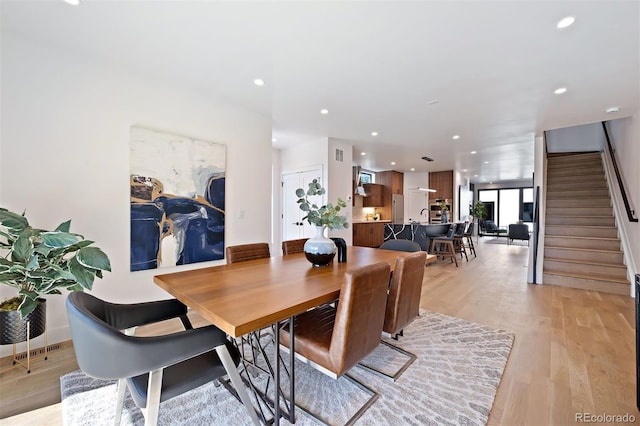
(442, 182)
(375, 193)
(368, 234)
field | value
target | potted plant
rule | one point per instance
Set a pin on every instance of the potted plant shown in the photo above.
(320, 250)
(36, 263)
(480, 212)
(444, 209)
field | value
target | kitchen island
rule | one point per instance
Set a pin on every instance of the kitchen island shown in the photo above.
(419, 232)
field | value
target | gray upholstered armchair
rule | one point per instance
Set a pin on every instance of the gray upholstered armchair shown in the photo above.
(154, 368)
(518, 231)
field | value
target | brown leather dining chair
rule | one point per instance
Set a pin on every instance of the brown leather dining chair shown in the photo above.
(293, 246)
(403, 304)
(243, 252)
(334, 339)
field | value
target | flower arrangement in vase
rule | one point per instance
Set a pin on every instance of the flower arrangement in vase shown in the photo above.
(320, 250)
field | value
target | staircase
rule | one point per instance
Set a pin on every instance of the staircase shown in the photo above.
(582, 248)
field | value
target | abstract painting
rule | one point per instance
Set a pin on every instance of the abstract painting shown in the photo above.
(177, 199)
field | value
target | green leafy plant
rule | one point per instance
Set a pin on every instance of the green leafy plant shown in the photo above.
(443, 206)
(38, 262)
(480, 210)
(327, 214)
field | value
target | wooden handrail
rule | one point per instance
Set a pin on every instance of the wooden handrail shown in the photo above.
(625, 200)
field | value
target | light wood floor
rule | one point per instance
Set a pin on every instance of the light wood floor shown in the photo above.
(573, 351)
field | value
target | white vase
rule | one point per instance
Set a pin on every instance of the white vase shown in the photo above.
(320, 250)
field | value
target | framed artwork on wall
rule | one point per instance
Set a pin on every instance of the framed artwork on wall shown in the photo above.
(177, 199)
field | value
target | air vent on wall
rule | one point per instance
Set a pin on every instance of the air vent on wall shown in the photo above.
(427, 158)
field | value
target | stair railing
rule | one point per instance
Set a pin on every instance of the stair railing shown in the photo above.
(536, 230)
(631, 214)
(612, 174)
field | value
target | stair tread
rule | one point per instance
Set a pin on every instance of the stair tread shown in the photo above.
(546, 246)
(582, 226)
(587, 276)
(574, 216)
(583, 237)
(584, 262)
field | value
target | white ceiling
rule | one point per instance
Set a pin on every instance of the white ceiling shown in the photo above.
(492, 66)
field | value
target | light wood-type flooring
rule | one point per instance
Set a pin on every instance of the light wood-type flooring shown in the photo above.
(573, 351)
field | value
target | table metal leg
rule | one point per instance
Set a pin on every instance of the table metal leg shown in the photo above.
(276, 389)
(292, 376)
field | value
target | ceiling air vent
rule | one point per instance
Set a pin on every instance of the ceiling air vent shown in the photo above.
(427, 158)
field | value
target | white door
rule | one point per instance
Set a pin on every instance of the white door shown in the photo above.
(293, 227)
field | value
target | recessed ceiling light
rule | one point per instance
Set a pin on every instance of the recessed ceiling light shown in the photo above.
(486, 162)
(363, 153)
(475, 175)
(432, 102)
(464, 170)
(565, 22)
(612, 109)
(393, 163)
(474, 152)
(560, 90)
(456, 137)
(258, 82)
(274, 140)
(374, 133)
(324, 111)
(413, 169)
(72, 2)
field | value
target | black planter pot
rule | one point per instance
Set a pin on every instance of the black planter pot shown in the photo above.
(13, 329)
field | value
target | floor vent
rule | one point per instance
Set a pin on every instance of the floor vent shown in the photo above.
(38, 352)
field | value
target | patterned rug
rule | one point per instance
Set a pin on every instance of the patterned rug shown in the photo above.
(453, 381)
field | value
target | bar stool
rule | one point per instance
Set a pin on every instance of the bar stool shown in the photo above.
(458, 240)
(468, 236)
(443, 246)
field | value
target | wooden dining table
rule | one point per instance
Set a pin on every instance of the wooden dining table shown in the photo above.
(248, 296)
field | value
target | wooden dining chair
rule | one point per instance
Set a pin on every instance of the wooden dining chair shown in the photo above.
(403, 305)
(244, 252)
(293, 246)
(334, 339)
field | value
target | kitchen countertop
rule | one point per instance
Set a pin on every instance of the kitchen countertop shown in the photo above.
(371, 221)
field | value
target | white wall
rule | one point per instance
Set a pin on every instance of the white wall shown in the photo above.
(339, 183)
(412, 181)
(586, 137)
(305, 154)
(65, 154)
(625, 138)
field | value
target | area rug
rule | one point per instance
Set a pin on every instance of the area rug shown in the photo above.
(453, 381)
(505, 241)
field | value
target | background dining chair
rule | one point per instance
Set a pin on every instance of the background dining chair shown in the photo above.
(401, 245)
(403, 304)
(293, 246)
(334, 339)
(155, 368)
(243, 252)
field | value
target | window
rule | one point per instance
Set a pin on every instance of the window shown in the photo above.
(508, 205)
(366, 177)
